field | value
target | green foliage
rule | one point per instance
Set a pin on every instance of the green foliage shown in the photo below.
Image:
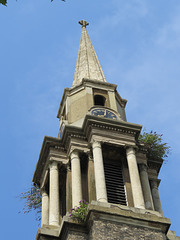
(3, 2)
(32, 199)
(157, 148)
(79, 213)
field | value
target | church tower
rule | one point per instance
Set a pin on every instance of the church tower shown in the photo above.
(97, 158)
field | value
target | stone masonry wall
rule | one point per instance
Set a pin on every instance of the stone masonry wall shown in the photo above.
(102, 230)
(110, 230)
(76, 236)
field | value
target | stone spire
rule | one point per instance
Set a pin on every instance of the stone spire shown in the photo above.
(87, 64)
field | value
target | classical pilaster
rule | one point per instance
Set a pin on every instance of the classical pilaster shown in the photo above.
(54, 195)
(146, 187)
(68, 189)
(45, 208)
(155, 196)
(91, 179)
(101, 194)
(76, 179)
(134, 177)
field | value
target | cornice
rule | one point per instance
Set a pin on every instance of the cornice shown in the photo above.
(48, 143)
(81, 134)
(94, 82)
(143, 148)
(122, 101)
(110, 124)
(155, 164)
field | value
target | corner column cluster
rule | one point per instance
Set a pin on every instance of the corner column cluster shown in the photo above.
(145, 193)
(50, 202)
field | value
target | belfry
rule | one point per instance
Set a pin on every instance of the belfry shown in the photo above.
(97, 158)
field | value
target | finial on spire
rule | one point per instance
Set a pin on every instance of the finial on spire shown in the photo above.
(83, 23)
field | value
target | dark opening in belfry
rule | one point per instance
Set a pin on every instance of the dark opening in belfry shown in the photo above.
(99, 100)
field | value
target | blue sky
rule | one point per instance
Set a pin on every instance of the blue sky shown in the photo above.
(138, 46)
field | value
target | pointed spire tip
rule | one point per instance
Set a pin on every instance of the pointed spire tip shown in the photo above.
(83, 23)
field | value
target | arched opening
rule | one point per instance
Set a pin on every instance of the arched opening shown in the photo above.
(99, 100)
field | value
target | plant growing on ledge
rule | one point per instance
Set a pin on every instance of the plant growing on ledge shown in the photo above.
(33, 200)
(79, 213)
(157, 148)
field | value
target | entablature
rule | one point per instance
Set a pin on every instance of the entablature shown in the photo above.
(106, 127)
(52, 149)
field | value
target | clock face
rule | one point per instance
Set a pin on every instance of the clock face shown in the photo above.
(103, 113)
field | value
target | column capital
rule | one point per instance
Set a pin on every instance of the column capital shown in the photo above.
(90, 157)
(74, 154)
(96, 144)
(143, 167)
(68, 168)
(155, 183)
(43, 191)
(53, 165)
(130, 150)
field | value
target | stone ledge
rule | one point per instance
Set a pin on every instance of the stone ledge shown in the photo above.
(128, 215)
(116, 214)
(171, 235)
(47, 230)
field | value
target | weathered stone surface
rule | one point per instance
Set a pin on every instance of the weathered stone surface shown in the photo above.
(77, 236)
(111, 221)
(47, 238)
(117, 231)
(87, 64)
(171, 235)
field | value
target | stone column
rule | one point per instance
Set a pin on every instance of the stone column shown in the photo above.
(54, 195)
(101, 194)
(146, 187)
(134, 177)
(45, 208)
(76, 179)
(68, 189)
(155, 196)
(91, 179)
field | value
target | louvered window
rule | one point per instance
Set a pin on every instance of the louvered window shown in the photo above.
(114, 182)
(62, 191)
